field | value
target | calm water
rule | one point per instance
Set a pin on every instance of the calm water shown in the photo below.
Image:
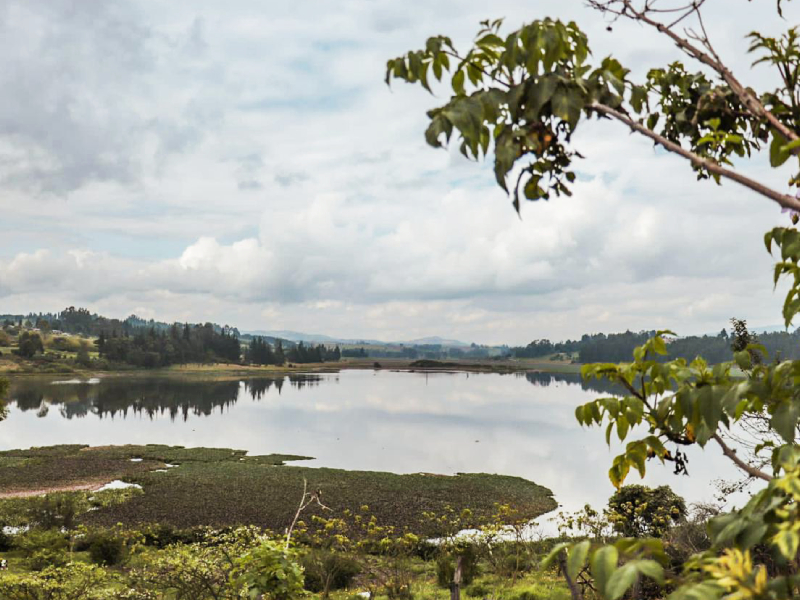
(403, 422)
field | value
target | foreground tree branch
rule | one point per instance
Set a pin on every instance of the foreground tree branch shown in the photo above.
(785, 200)
(730, 453)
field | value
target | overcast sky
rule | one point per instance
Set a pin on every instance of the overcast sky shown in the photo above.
(243, 162)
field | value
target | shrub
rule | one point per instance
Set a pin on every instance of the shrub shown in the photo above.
(75, 581)
(478, 590)
(35, 540)
(42, 559)
(107, 549)
(328, 571)
(272, 571)
(6, 540)
(162, 535)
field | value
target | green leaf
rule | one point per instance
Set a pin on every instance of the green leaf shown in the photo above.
(577, 558)
(650, 568)
(787, 542)
(620, 581)
(776, 154)
(540, 93)
(490, 39)
(622, 427)
(603, 564)
(554, 553)
(784, 420)
(788, 148)
(710, 406)
(532, 189)
(458, 82)
(566, 104)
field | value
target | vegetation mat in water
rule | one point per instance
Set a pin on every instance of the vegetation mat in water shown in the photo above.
(221, 487)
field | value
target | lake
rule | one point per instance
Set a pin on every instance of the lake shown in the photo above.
(512, 424)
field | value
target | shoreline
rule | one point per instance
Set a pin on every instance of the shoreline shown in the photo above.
(222, 370)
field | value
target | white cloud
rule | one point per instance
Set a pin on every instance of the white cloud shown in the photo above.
(244, 163)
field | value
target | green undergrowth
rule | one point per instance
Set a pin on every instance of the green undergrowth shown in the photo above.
(224, 487)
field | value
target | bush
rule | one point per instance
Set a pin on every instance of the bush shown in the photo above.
(337, 570)
(478, 590)
(75, 581)
(6, 540)
(514, 563)
(35, 540)
(42, 559)
(426, 550)
(107, 549)
(162, 535)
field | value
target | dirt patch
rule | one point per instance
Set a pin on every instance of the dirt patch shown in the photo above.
(88, 486)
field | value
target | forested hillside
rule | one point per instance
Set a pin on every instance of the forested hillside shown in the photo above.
(618, 347)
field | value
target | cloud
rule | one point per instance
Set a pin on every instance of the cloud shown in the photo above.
(244, 163)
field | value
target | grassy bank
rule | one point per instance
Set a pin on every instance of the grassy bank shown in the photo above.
(223, 487)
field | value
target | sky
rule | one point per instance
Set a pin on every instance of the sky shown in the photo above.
(244, 163)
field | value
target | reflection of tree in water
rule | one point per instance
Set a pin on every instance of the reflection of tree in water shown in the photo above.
(258, 388)
(301, 380)
(150, 397)
(118, 397)
(547, 379)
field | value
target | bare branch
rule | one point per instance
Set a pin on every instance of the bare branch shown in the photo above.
(306, 500)
(785, 200)
(750, 470)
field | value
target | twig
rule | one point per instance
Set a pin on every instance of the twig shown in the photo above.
(306, 500)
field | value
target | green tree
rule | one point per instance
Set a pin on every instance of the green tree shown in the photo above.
(524, 95)
(29, 344)
(280, 358)
(640, 511)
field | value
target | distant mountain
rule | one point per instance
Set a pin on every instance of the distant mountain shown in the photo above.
(318, 338)
(435, 341)
(315, 338)
(769, 329)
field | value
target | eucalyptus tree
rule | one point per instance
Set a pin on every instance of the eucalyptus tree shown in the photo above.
(521, 98)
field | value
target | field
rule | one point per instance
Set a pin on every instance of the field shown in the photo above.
(223, 487)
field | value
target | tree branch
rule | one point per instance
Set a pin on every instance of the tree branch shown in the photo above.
(628, 386)
(750, 470)
(480, 68)
(575, 592)
(785, 200)
(750, 101)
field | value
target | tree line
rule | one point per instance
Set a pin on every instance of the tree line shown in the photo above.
(180, 344)
(618, 347)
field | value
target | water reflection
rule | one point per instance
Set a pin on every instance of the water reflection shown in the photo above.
(600, 386)
(152, 397)
(520, 425)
